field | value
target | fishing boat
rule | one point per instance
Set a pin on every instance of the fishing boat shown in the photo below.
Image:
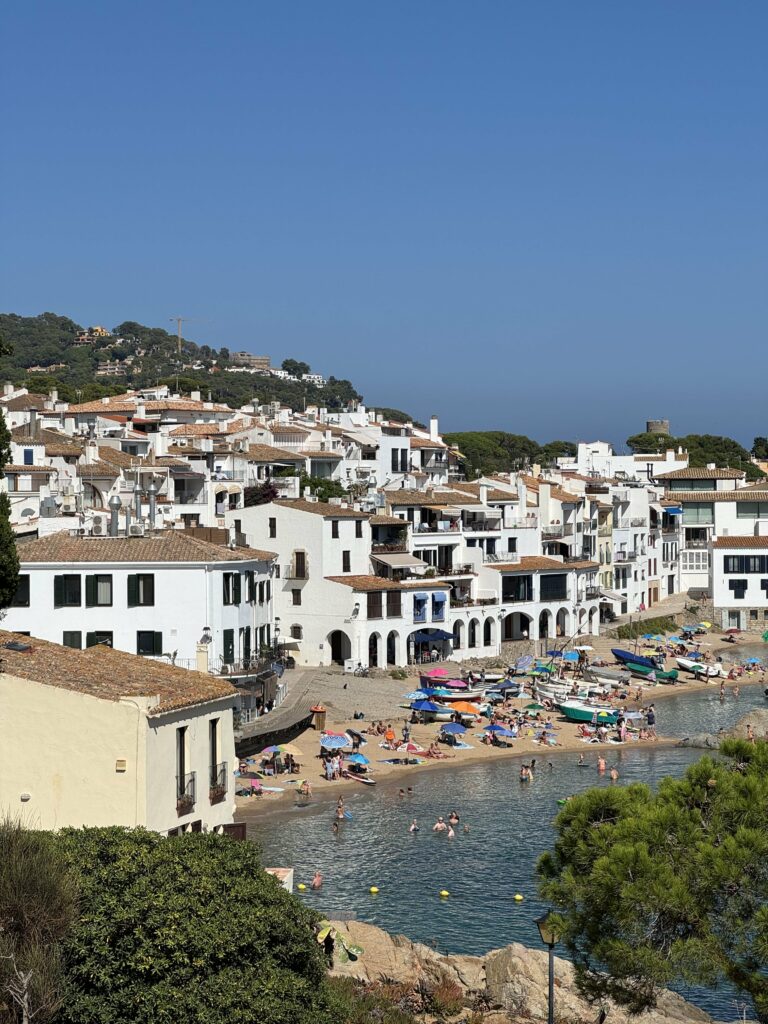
(662, 675)
(580, 711)
(698, 668)
(636, 659)
(614, 677)
(559, 690)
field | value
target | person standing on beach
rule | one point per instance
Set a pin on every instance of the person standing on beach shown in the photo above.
(650, 716)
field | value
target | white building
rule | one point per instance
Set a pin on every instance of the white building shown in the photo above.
(739, 580)
(166, 595)
(99, 737)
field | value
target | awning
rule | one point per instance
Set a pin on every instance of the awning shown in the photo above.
(421, 597)
(677, 511)
(422, 637)
(438, 598)
(400, 561)
(611, 595)
(290, 644)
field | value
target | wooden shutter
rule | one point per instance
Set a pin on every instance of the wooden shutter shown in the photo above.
(149, 589)
(58, 591)
(90, 591)
(236, 588)
(133, 591)
(158, 637)
(90, 640)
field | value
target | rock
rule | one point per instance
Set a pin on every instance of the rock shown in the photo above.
(758, 719)
(512, 982)
(703, 740)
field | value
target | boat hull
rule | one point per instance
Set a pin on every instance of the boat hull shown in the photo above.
(576, 712)
(662, 676)
(698, 668)
(636, 659)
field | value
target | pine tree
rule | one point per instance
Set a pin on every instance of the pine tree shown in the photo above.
(9, 559)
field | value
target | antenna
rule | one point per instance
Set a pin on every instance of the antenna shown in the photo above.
(179, 320)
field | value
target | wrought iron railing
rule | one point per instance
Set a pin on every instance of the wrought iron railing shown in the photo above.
(186, 792)
(218, 782)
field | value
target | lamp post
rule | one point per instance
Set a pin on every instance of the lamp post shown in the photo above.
(549, 936)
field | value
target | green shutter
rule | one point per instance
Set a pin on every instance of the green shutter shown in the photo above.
(90, 591)
(58, 591)
(149, 589)
(158, 643)
(90, 640)
(237, 588)
(225, 576)
(133, 591)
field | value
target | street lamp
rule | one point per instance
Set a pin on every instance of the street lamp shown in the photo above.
(549, 936)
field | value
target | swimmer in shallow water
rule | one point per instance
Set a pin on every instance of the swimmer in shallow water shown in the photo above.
(451, 833)
(317, 881)
(414, 826)
(614, 774)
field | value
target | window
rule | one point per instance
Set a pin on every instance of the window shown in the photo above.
(395, 460)
(277, 570)
(296, 595)
(300, 565)
(374, 605)
(66, 591)
(232, 587)
(246, 643)
(297, 632)
(99, 636)
(148, 643)
(698, 512)
(250, 586)
(261, 593)
(98, 591)
(21, 598)
(753, 614)
(229, 646)
(29, 457)
(141, 590)
(213, 745)
(272, 527)
(394, 604)
(694, 561)
(516, 588)
(752, 509)
(438, 607)
(419, 608)
(335, 528)
(72, 638)
(745, 563)
(512, 545)
(346, 561)
(738, 588)
(358, 528)
(554, 587)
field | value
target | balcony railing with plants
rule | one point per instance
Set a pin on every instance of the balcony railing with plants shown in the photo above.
(186, 793)
(389, 547)
(218, 783)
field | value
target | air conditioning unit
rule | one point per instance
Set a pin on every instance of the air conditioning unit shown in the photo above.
(100, 526)
(67, 490)
(69, 505)
(136, 530)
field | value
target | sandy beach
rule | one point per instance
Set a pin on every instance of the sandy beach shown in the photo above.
(380, 699)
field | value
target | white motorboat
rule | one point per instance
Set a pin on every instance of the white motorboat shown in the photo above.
(699, 668)
(607, 677)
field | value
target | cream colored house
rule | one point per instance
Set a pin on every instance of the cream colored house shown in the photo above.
(101, 737)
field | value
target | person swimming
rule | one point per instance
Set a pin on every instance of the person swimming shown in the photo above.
(335, 828)
(601, 764)
(453, 818)
(440, 826)
(414, 826)
(614, 773)
(582, 762)
(451, 833)
(317, 881)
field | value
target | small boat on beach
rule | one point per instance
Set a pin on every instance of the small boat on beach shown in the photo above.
(699, 668)
(636, 659)
(581, 711)
(614, 677)
(661, 675)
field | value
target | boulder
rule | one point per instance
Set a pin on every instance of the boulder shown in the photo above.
(758, 719)
(702, 740)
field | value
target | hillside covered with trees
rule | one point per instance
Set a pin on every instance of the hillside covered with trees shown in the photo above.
(45, 353)
(495, 451)
(704, 449)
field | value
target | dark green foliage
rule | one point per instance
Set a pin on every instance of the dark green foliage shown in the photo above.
(653, 889)
(398, 416)
(38, 904)
(663, 624)
(702, 450)
(9, 558)
(259, 494)
(295, 367)
(322, 487)
(186, 929)
(760, 447)
(494, 451)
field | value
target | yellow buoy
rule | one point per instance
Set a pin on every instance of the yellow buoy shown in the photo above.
(301, 886)
(444, 892)
(374, 889)
(519, 898)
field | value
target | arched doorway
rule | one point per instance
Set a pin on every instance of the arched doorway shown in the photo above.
(582, 620)
(373, 649)
(563, 622)
(545, 625)
(517, 626)
(393, 648)
(593, 621)
(488, 632)
(341, 648)
(472, 633)
(458, 635)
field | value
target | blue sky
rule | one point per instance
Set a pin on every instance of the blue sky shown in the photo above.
(544, 217)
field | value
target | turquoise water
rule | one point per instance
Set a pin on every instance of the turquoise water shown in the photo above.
(510, 825)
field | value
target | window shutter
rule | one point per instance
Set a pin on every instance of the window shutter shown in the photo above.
(158, 643)
(225, 578)
(149, 589)
(90, 591)
(237, 588)
(58, 591)
(90, 639)
(133, 591)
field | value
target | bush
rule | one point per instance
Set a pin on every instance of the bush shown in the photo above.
(664, 624)
(398, 673)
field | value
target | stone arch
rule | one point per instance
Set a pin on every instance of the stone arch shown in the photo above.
(472, 631)
(458, 635)
(393, 647)
(489, 632)
(563, 622)
(517, 626)
(374, 646)
(340, 646)
(593, 621)
(545, 625)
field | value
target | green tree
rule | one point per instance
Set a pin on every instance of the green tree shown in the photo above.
(295, 367)
(760, 448)
(38, 904)
(554, 450)
(651, 443)
(654, 889)
(186, 929)
(259, 494)
(322, 487)
(9, 557)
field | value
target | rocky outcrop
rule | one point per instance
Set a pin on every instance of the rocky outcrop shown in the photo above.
(702, 740)
(510, 983)
(757, 718)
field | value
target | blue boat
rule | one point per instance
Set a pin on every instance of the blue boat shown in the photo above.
(636, 659)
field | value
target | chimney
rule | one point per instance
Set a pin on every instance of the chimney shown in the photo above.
(536, 470)
(484, 492)
(323, 417)
(141, 411)
(710, 465)
(137, 499)
(545, 503)
(114, 511)
(53, 395)
(8, 389)
(32, 423)
(522, 498)
(195, 396)
(669, 455)
(152, 495)
(161, 444)
(105, 400)
(434, 432)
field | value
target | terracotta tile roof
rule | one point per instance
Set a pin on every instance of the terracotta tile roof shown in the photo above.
(163, 546)
(363, 584)
(278, 428)
(494, 494)
(321, 508)
(701, 473)
(268, 453)
(381, 520)
(535, 563)
(99, 469)
(758, 485)
(740, 494)
(128, 403)
(308, 453)
(430, 499)
(650, 458)
(425, 442)
(10, 468)
(56, 441)
(24, 402)
(110, 675)
(557, 492)
(741, 542)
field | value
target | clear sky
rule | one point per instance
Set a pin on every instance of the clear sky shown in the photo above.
(547, 217)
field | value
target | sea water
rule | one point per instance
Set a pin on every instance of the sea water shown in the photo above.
(510, 824)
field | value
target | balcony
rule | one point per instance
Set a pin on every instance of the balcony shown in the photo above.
(245, 667)
(528, 523)
(482, 525)
(451, 570)
(468, 602)
(235, 475)
(392, 547)
(629, 524)
(186, 793)
(293, 571)
(555, 530)
(218, 783)
(605, 530)
(698, 544)
(201, 498)
(592, 593)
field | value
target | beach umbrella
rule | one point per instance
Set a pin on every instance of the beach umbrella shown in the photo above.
(603, 714)
(281, 748)
(456, 684)
(534, 707)
(495, 728)
(453, 729)
(522, 663)
(330, 732)
(334, 742)
(426, 705)
(753, 661)
(554, 654)
(648, 636)
(418, 695)
(464, 707)
(504, 732)
(411, 748)
(437, 672)
(357, 759)
(353, 734)
(570, 656)
(705, 625)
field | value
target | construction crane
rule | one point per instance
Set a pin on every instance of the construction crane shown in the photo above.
(179, 320)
